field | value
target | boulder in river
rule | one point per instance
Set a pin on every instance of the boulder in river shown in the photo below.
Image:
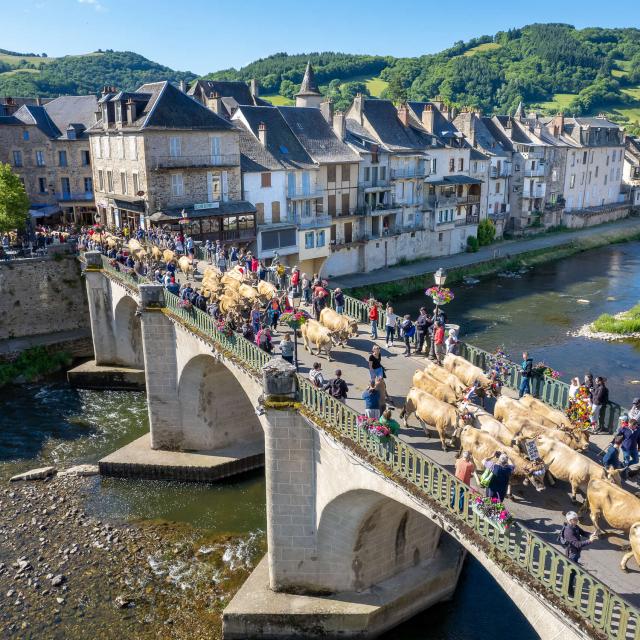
(81, 470)
(35, 474)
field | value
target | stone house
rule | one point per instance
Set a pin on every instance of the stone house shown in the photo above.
(48, 147)
(161, 157)
(631, 170)
(225, 97)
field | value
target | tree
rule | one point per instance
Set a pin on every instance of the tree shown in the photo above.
(14, 203)
(397, 89)
(486, 232)
(288, 89)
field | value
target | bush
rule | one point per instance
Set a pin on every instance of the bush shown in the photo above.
(486, 232)
(627, 322)
(472, 244)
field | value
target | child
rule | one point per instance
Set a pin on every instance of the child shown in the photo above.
(611, 456)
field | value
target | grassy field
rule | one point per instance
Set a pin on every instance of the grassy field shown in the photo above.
(376, 86)
(278, 100)
(14, 61)
(481, 48)
(627, 322)
(560, 102)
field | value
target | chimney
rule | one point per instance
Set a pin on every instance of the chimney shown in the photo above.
(357, 107)
(403, 114)
(453, 112)
(262, 134)
(254, 88)
(131, 111)
(38, 101)
(214, 102)
(10, 106)
(326, 109)
(183, 86)
(339, 123)
(428, 118)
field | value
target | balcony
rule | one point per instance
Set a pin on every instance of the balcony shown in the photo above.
(380, 208)
(305, 195)
(402, 173)
(530, 153)
(504, 172)
(468, 199)
(312, 222)
(438, 201)
(538, 172)
(194, 162)
(70, 196)
(537, 191)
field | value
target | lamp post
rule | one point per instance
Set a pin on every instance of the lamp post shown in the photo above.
(439, 277)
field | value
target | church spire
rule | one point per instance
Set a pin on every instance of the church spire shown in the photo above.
(519, 114)
(309, 94)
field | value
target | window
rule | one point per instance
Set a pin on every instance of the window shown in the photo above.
(119, 154)
(110, 181)
(497, 187)
(265, 180)
(332, 205)
(25, 135)
(17, 158)
(133, 149)
(65, 185)
(475, 167)
(174, 146)
(136, 184)
(573, 158)
(605, 178)
(345, 204)
(97, 148)
(306, 183)
(88, 185)
(607, 160)
(460, 164)
(275, 211)
(320, 239)
(123, 182)
(345, 170)
(331, 173)
(367, 174)
(440, 237)
(572, 181)
(85, 157)
(100, 180)
(260, 212)
(105, 146)
(291, 184)
(452, 164)
(434, 165)
(308, 239)
(383, 173)
(597, 171)
(584, 158)
(62, 158)
(42, 185)
(278, 238)
(589, 178)
(177, 184)
(215, 149)
(40, 158)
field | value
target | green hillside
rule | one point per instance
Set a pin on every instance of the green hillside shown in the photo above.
(29, 75)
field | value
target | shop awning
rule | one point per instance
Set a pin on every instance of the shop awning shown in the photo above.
(129, 204)
(44, 211)
(208, 210)
(453, 180)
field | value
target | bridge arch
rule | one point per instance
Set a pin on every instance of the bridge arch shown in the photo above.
(215, 410)
(365, 538)
(128, 334)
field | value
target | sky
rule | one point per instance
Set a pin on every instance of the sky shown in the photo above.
(208, 35)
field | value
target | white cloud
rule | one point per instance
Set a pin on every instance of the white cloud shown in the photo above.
(96, 4)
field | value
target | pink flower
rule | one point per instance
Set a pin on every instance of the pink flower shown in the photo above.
(494, 500)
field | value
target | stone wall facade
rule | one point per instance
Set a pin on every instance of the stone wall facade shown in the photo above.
(41, 296)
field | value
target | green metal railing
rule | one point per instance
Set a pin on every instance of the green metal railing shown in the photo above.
(591, 600)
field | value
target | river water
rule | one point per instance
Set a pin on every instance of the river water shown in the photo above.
(51, 423)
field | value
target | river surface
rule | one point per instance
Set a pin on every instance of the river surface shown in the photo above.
(51, 423)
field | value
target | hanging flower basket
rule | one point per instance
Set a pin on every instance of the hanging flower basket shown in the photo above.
(579, 409)
(543, 370)
(493, 511)
(294, 320)
(374, 428)
(225, 328)
(440, 295)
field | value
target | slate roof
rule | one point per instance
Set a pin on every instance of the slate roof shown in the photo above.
(308, 87)
(253, 156)
(495, 133)
(238, 91)
(67, 110)
(442, 128)
(632, 150)
(383, 119)
(37, 115)
(283, 147)
(316, 136)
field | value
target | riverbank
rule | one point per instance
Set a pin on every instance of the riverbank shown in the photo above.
(67, 573)
(505, 256)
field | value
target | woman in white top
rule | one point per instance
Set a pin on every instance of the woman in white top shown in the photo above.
(452, 341)
(391, 320)
(573, 388)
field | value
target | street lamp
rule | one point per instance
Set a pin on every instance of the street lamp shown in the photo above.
(439, 277)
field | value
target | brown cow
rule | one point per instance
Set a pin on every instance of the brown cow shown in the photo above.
(342, 327)
(466, 371)
(539, 407)
(506, 407)
(443, 392)
(617, 506)
(481, 419)
(441, 374)
(524, 429)
(314, 334)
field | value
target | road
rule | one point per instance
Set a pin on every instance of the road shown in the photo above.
(500, 250)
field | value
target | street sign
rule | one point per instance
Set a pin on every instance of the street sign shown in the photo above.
(206, 205)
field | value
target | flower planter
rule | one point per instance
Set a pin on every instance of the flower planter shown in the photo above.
(496, 524)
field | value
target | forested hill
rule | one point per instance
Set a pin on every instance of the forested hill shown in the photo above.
(551, 66)
(31, 75)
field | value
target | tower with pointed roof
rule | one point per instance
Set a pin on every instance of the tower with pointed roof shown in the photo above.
(519, 114)
(309, 94)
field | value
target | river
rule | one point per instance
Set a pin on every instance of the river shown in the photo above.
(51, 423)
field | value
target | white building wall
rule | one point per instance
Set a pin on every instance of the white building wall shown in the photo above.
(255, 193)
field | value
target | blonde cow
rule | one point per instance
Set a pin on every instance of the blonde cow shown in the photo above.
(566, 464)
(315, 335)
(156, 253)
(425, 382)
(466, 371)
(441, 374)
(508, 407)
(483, 445)
(342, 328)
(481, 419)
(634, 541)
(540, 408)
(248, 293)
(169, 256)
(618, 507)
(524, 429)
(267, 290)
(432, 412)
(186, 266)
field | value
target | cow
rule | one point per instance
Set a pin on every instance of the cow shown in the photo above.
(156, 253)
(169, 256)
(566, 464)
(466, 371)
(483, 445)
(544, 410)
(481, 419)
(267, 290)
(634, 541)
(619, 508)
(507, 407)
(424, 382)
(186, 265)
(441, 374)
(432, 412)
(248, 293)
(314, 334)
(524, 429)
(342, 328)
(230, 282)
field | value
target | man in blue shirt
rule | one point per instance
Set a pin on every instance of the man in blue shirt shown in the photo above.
(526, 367)
(371, 399)
(611, 457)
(630, 435)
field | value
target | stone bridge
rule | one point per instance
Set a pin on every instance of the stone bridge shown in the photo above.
(361, 535)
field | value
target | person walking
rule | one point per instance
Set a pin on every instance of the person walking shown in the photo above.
(295, 280)
(375, 363)
(264, 340)
(338, 298)
(526, 369)
(373, 318)
(391, 319)
(611, 456)
(316, 376)
(439, 341)
(306, 289)
(337, 387)
(423, 324)
(273, 314)
(408, 331)
(630, 435)
(600, 399)
(463, 471)
(286, 348)
(319, 303)
(573, 538)
(573, 388)
(451, 343)
(371, 401)
(501, 475)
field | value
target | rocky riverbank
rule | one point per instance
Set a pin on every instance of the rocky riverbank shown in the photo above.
(67, 574)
